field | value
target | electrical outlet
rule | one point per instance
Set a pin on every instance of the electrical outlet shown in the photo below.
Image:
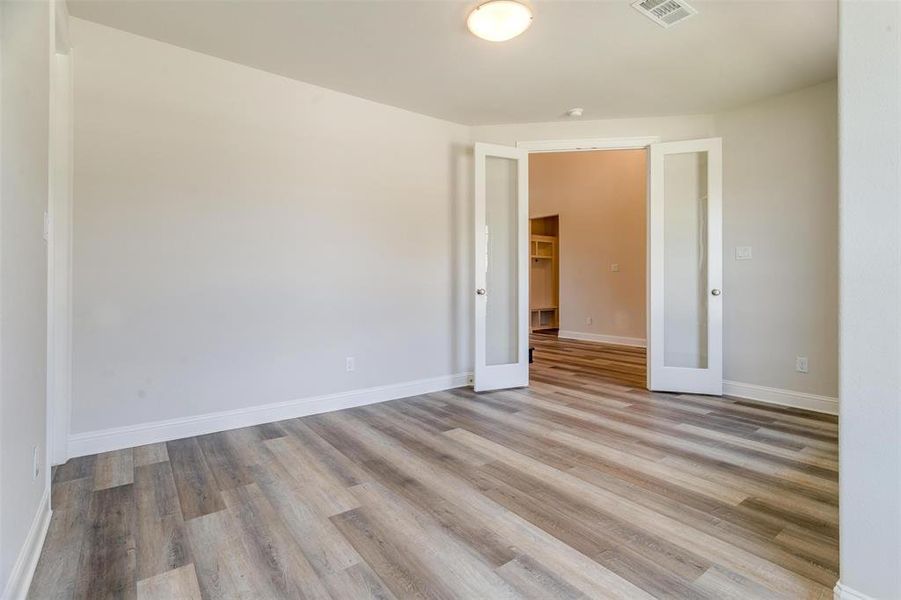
(614, 267)
(743, 253)
(35, 463)
(588, 320)
(801, 364)
(470, 380)
(349, 363)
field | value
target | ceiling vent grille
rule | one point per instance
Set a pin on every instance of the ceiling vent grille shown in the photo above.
(665, 13)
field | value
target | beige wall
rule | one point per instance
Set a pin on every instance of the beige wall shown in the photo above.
(601, 198)
(780, 182)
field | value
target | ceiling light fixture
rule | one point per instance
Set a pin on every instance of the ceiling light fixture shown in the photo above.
(499, 20)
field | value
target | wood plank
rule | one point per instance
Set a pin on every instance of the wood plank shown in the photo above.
(107, 562)
(114, 468)
(197, 491)
(180, 583)
(161, 542)
(271, 550)
(149, 454)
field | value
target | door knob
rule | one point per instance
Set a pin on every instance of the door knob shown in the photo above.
(481, 291)
(716, 292)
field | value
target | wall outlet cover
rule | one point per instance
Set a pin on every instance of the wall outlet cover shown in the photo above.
(743, 253)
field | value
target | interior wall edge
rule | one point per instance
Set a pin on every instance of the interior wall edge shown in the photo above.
(23, 569)
(117, 438)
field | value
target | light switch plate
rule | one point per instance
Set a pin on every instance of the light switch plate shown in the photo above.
(743, 253)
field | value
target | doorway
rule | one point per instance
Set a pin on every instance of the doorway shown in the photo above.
(588, 274)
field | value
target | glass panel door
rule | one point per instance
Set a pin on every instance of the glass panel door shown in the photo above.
(501, 251)
(685, 342)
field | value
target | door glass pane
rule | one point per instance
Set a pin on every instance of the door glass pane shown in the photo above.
(502, 333)
(685, 260)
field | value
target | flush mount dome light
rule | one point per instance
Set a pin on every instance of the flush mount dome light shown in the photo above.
(499, 20)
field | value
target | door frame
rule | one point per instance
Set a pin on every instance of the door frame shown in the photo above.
(618, 143)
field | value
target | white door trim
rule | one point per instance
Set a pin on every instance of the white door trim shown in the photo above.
(59, 259)
(588, 144)
(591, 144)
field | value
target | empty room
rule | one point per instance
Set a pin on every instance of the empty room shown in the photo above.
(442, 299)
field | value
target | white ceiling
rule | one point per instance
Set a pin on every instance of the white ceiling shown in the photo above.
(418, 55)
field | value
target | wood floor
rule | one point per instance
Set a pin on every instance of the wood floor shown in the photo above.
(572, 488)
(619, 364)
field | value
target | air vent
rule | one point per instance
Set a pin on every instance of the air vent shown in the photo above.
(665, 13)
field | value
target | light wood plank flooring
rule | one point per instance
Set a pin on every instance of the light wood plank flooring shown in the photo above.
(573, 488)
(620, 364)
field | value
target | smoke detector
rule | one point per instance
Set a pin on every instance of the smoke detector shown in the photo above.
(665, 13)
(575, 112)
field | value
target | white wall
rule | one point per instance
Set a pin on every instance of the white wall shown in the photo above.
(870, 255)
(238, 234)
(24, 113)
(780, 181)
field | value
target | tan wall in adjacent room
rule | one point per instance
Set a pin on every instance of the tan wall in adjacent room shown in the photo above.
(601, 199)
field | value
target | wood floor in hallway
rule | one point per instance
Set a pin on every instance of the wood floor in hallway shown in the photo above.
(575, 487)
(626, 365)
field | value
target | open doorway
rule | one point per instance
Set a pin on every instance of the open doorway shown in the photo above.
(588, 262)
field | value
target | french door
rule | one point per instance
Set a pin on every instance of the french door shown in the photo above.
(501, 267)
(685, 256)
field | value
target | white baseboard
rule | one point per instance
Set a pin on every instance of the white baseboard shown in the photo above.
(604, 339)
(92, 442)
(842, 592)
(23, 570)
(823, 404)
